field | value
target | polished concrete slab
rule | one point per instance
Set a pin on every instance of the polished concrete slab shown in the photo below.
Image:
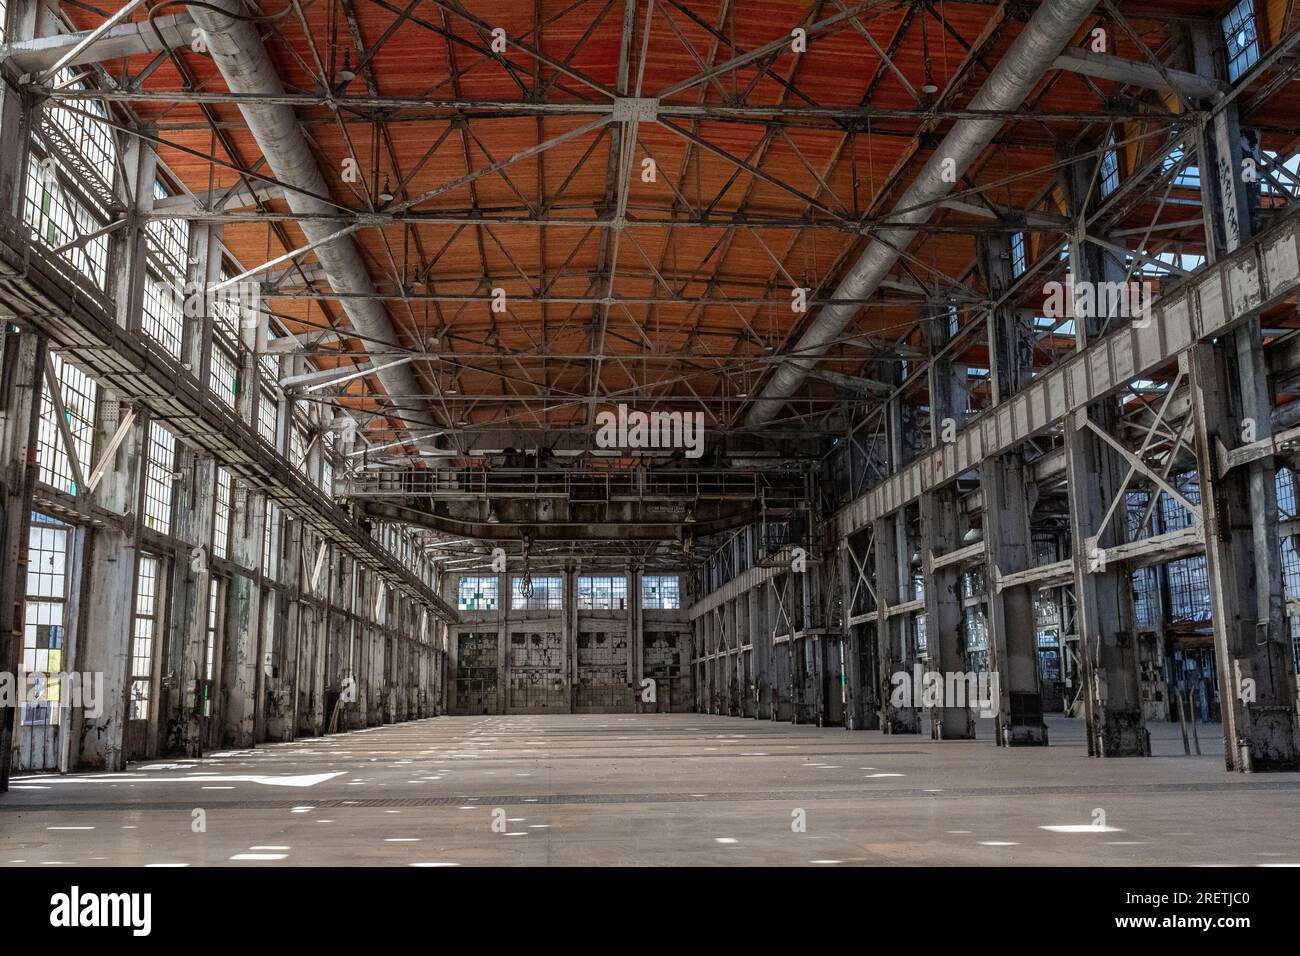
(655, 789)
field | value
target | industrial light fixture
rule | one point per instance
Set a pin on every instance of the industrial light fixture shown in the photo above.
(929, 88)
(492, 516)
(345, 75)
(386, 196)
(971, 536)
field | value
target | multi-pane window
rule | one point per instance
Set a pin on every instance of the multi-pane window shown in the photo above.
(298, 448)
(1186, 579)
(477, 593)
(1281, 177)
(214, 593)
(1017, 254)
(58, 215)
(90, 140)
(47, 590)
(267, 415)
(268, 539)
(1188, 262)
(143, 634)
(1189, 176)
(226, 310)
(221, 515)
(1109, 169)
(69, 181)
(661, 592)
(223, 373)
(1240, 38)
(602, 593)
(77, 392)
(166, 250)
(327, 462)
(536, 594)
(158, 482)
(225, 344)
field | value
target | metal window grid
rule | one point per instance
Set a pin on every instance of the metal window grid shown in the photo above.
(547, 595)
(158, 478)
(603, 593)
(142, 637)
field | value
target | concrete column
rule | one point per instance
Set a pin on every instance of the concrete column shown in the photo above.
(16, 116)
(108, 592)
(186, 643)
(239, 661)
(22, 367)
(280, 723)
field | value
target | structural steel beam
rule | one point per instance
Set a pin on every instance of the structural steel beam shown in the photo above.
(1016, 74)
(237, 50)
(128, 39)
(1262, 273)
(1129, 72)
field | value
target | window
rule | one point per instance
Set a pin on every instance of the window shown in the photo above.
(58, 215)
(69, 187)
(602, 593)
(327, 462)
(1188, 262)
(661, 593)
(298, 448)
(221, 516)
(1017, 255)
(226, 311)
(162, 314)
(268, 539)
(158, 479)
(222, 376)
(953, 321)
(166, 251)
(87, 142)
(1280, 177)
(477, 593)
(47, 590)
(77, 391)
(1241, 40)
(209, 665)
(545, 594)
(1189, 176)
(1109, 169)
(142, 636)
(268, 415)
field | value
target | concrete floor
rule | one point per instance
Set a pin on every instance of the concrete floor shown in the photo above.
(681, 789)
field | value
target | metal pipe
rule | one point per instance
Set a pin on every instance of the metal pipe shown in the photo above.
(45, 54)
(1016, 74)
(240, 55)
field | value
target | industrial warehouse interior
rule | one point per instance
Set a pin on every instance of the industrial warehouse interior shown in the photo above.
(620, 433)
